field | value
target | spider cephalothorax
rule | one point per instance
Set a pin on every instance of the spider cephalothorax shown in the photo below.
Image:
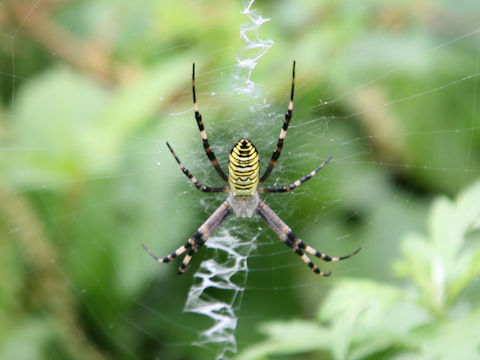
(243, 187)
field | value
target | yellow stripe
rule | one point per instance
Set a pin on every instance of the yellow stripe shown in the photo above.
(243, 168)
(244, 187)
(237, 168)
(249, 150)
(243, 158)
(244, 174)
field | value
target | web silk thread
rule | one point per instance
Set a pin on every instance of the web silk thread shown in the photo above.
(216, 273)
(254, 49)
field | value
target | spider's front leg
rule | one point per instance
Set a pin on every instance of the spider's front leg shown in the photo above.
(286, 234)
(283, 133)
(203, 133)
(198, 239)
(193, 179)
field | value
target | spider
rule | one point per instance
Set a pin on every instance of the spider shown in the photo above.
(243, 182)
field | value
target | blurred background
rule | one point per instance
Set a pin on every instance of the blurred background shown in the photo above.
(91, 91)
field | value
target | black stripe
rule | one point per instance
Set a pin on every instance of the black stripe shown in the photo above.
(243, 187)
(234, 167)
(193, 83)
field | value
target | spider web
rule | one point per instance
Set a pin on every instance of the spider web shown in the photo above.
(223, 273)
(75, 209)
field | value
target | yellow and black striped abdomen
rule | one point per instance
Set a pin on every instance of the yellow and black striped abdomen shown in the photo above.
(243, 169)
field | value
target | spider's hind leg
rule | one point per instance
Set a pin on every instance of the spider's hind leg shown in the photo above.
(306, 259)
(286, 234)
(192, 246)
(174, 254)
(325, 257)
(198, 239)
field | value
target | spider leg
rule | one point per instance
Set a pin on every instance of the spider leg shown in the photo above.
(325, 257)
(286, 234)
(283, 133)
(198, 239)
(296, 183)
(193, 179)
(203, 133)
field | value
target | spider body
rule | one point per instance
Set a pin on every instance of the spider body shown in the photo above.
(243, 169)
(244, 186)
(243, 176)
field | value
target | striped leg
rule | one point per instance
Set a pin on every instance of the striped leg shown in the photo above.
(296, 183)
(197, 240)
(283, 133)
(203, 133)
(286, 234)
(193, 179)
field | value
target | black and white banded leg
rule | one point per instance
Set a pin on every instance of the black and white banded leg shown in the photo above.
(193, 179)
(283, 133)
(286, 234)
(296, 183)
(198, 239)
(203, 133)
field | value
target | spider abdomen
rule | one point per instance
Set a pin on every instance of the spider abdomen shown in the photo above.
(243, 169)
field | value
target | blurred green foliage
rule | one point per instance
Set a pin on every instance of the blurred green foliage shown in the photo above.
(424, 319)
(92, 89)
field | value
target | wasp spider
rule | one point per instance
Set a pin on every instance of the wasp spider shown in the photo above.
(243, 182)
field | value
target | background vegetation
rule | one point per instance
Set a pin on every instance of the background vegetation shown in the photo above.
(91, 90)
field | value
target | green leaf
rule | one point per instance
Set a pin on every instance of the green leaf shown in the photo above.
(57, 114)
(70, 126)
(416, 264)
(372, 321)
(439, 265)
(456, 339)
(467, 212)
(288, 337)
